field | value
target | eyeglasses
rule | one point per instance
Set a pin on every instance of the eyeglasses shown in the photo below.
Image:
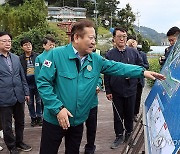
(6, 41)
(121, 37)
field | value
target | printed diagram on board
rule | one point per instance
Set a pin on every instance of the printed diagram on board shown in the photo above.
(159, 135)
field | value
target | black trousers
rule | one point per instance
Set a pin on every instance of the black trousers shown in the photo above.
(52, 135)
(125, 108)
(91, 126)
(138, 98)
(6, 113)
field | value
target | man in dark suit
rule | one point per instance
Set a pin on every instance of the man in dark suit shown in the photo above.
(13, 93)
(133, 43)
(121, 90)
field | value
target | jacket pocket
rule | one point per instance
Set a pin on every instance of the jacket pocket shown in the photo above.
(67, 75)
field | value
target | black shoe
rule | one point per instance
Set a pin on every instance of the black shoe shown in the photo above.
(39, 121)
(14, 151)
(119, 140)
(33, 122)
(135, 118)
(24, 147)
(127, 138)
(89, 150)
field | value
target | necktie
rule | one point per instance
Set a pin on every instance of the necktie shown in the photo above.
(77, 64)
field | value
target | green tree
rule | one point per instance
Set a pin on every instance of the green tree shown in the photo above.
(36, 35)
(23, 18)
(102, 31)
(125, 18)
(106, 7)
(15, 2)
(51, 2)
(139, 38)
(145, 46)
(153, 66)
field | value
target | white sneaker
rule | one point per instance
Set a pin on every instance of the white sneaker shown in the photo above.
(1, 134)
(1, 148)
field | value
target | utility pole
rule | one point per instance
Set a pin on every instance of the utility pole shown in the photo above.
(63, 3)
(77, 3)
(96, 12)
(111, 20)
(137, 16)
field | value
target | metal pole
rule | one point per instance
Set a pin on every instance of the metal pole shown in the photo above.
(111, 19)
(138, 15)
(77, 3)
(95, 12)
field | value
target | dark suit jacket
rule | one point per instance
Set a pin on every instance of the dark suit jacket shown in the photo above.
(13, 86)
(122, 86)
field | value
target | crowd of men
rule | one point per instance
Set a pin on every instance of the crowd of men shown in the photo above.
(63, 83)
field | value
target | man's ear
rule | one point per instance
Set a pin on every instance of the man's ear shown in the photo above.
(76, 38)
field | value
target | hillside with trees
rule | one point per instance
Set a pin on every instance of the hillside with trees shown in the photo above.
(29, 20)
(151, 34)
(28, 17)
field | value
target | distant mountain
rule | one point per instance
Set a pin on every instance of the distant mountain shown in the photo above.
(159, 38)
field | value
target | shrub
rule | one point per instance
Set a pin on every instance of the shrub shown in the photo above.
(61, 34)
(36, 35)
(153, 66)
(145, 46)
(17, 20)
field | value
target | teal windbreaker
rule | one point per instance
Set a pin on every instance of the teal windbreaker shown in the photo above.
(59, 82)
(39, 62)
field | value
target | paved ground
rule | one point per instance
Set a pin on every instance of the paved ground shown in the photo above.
(105, 132)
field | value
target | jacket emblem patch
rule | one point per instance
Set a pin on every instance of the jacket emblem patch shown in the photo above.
(36, 64)
(89, 68)
(47, 63)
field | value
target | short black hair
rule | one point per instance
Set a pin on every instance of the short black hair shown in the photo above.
(48, 38)
(132, 37)
(5, 33)
(172, 31)
(79, 26)
(119, 29)
(25, 40)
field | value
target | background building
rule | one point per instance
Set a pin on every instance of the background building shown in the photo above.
(66, 14)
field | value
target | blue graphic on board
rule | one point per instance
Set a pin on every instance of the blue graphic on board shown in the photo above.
(162, 108)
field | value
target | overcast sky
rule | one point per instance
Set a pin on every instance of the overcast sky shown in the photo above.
(159, 15)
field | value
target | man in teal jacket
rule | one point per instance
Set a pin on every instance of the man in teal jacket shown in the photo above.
(67, 82)
(48, 44)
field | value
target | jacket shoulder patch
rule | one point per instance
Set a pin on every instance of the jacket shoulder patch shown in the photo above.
(36, 64)
(47, 63)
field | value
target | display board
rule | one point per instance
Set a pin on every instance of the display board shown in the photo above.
(162, 109)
